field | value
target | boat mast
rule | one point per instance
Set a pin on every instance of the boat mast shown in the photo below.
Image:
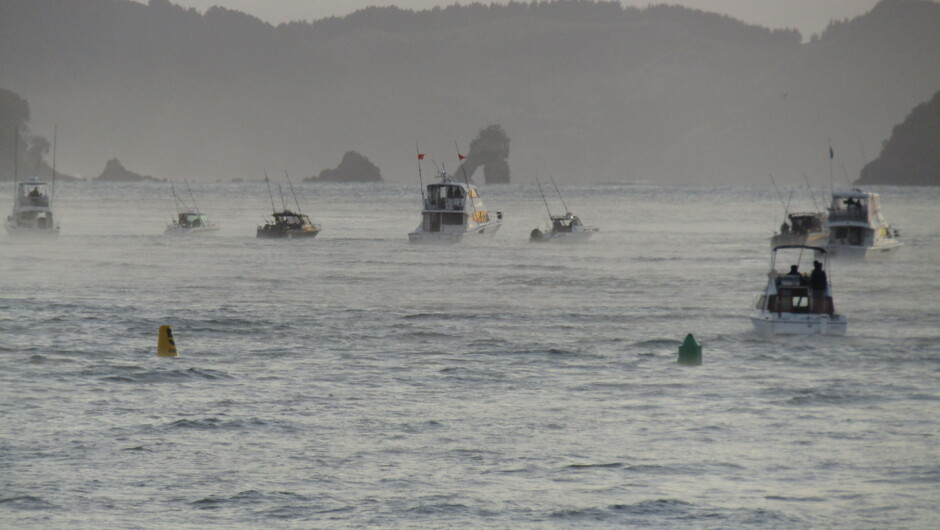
(292, 192)
(543, 198)
(780, 197)
(270, 194)
(832, 153)
(567, 211)
(195, 206)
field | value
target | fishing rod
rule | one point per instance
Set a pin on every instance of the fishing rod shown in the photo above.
(16, 148)
(292, 192)
(832, 153)
(281, 191)
(543, 198)
(785, 205)
(177, 202)
(567, 211)
(845, 174)
(270, 194)
(812, 193)
(191, 196)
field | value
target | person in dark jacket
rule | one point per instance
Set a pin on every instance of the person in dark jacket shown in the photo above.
(818, 283)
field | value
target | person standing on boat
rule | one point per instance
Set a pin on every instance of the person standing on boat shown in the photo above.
(818, 282)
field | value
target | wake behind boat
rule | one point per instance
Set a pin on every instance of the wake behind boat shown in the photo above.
(566, 228)
(453, 212)
(795, 303)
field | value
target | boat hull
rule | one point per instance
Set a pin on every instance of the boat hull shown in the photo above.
(21, 231)
(882, 250)
(176, 231)
(561, 237)
(287, 234)
(481, 234)
(773, 324)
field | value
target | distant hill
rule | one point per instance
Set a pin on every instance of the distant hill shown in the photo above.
(114, 171)
(911, 157)
(352, 168)
(591, 91)
(32, 150)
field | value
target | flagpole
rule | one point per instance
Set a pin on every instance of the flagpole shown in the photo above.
(420, 178)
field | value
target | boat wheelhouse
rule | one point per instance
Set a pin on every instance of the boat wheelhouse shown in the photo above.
(802, 228)
(32, 210)
(287, 224)
(453, 212)
(795, 303)
(856, 227)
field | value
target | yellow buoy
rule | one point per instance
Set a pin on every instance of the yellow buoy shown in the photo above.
(166, 346)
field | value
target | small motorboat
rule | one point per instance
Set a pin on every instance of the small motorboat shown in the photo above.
(286, 223)
(32, 210)
(794, 303)
(566, 228)
(189, 221)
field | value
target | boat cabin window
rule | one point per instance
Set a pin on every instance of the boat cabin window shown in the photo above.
(452, 218)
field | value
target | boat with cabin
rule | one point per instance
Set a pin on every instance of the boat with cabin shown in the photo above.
(802, 228)
(286, 223)
(454, 212)
(566, 228)
(857, 229)
(795, 303)
(189, 221)
(32, 210)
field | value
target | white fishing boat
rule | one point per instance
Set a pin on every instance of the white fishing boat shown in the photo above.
(794, 303)
(453, 212)
(32, 210)
(189, 221)
(857, 229)
(566, 228)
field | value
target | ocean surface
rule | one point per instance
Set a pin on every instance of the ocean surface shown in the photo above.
(354, 380)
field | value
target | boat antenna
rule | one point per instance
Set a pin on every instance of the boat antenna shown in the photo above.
(420, 178)
(292, 192)
(437, 167)
(832, 153)
(786, 208)
(195, 206)
(567, 211)
(16, 148)
(812, 193)
(543, 197)
(772, 181)
(281, 191)
(270, 194)
(55, 134)
(466, 179)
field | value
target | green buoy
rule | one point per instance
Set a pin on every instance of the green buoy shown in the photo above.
(690, 352)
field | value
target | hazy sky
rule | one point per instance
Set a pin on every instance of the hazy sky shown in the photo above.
(808, 16)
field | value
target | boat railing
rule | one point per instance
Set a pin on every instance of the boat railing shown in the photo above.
(849, 214)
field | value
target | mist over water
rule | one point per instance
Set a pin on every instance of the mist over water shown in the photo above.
(357, 380)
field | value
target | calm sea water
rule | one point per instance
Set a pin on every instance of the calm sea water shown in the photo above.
(356, 380)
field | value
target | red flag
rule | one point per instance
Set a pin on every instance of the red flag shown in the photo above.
(420, 156)
(460, 156)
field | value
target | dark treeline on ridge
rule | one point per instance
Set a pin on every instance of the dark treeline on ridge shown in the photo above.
(589, 91)
(911, 157)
